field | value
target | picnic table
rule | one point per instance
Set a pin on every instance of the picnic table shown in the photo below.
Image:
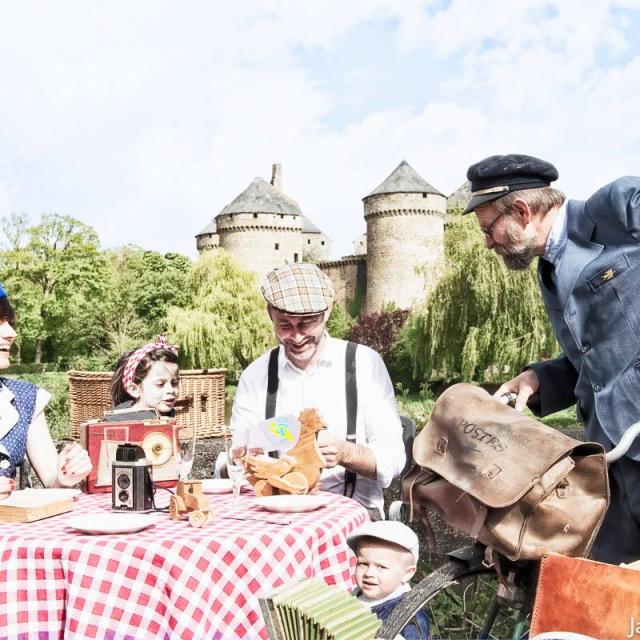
(171, 580)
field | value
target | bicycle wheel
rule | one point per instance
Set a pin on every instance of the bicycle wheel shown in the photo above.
(460, 602)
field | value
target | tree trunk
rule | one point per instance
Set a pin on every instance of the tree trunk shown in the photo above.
(38, 359)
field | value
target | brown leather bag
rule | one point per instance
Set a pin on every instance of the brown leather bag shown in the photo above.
(514, 484)
(575, 595)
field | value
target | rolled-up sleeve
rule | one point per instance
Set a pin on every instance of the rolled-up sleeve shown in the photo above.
(381, 420)
(244, 413)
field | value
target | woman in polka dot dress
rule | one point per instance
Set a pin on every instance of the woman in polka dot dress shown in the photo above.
(23, 427)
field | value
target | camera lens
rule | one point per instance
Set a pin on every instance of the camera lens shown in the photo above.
(123, 496)
(124, 481)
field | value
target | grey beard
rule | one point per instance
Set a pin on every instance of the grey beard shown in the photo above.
(517, 260)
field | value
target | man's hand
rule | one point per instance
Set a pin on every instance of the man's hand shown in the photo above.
(330, 448)
(523, 385)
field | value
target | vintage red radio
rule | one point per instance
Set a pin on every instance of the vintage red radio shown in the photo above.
(156, 437)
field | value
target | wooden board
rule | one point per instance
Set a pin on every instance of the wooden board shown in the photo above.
(33, 504)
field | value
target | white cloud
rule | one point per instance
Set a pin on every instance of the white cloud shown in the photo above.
(145, 119)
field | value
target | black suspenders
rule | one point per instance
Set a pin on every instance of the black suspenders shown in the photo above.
(351, 391)
(272, 390)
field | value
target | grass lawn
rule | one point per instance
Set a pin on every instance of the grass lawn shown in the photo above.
(415, 405)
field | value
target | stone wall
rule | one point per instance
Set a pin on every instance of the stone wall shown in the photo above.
(261, 242)
(405, 247)
(348, 275)
(207, 242)
(317, 246)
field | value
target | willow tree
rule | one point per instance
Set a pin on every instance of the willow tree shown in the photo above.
(482, 321)
(226, 325)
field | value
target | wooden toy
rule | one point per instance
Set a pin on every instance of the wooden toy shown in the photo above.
(299, 471)
(190, 499)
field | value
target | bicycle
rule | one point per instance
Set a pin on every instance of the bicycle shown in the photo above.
(468, 568)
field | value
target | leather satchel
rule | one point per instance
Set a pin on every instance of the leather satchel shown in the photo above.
(516, 485)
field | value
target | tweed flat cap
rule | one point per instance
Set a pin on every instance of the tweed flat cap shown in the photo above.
(497, 176)
(298, 289)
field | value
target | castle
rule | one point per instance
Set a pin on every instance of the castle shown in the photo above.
(397, 262)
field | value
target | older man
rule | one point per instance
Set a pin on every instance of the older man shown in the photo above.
(350, 387)
(589, 276)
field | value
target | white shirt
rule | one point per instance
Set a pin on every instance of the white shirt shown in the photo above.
(322, 386)
(557, 238)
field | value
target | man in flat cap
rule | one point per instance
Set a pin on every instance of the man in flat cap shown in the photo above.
(589, 276)
(350, 387)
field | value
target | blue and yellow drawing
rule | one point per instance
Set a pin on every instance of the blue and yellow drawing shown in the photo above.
(280, 429)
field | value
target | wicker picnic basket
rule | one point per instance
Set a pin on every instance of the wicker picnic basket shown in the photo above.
(201, 402)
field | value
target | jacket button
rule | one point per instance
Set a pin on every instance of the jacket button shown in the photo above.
(586, 347)
(597, 387)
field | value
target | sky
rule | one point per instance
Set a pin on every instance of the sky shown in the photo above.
(144, 118)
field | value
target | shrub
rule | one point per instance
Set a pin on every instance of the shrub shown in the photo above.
(380, 331)
(57, 409)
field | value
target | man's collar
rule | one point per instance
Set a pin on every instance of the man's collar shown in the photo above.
(557, 238)
(324, 358)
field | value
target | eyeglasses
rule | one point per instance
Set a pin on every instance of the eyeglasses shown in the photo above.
(488, 231)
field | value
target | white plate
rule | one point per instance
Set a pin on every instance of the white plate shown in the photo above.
(292, 504)
(217, 485)
(111, 522)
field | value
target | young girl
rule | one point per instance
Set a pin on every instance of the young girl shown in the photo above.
(23, 427)
(145, 382)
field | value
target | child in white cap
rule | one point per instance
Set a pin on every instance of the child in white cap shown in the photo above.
(386, 556)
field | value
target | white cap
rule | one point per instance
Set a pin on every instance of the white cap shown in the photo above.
(390, 531)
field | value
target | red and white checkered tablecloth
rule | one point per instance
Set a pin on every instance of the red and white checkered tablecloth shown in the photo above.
(170, 581)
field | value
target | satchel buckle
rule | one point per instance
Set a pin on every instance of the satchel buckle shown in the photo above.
(562, 489)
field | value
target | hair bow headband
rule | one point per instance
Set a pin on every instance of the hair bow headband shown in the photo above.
(134, 359)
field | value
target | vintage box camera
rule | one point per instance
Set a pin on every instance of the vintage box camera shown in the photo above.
(131, 486)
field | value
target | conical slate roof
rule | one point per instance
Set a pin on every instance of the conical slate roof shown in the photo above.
(261, 197)
(404, 179)
(308, 226)
(457, 201)
(210, 228)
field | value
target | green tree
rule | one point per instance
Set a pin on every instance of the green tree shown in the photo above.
(340, 322)
(481, 322)
(227, 324)
(58, 279)
(161, 283)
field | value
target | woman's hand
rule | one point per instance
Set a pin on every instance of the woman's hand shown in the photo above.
(74, 465)
(7, 485)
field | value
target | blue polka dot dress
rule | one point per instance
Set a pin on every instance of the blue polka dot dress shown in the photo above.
(15, 440)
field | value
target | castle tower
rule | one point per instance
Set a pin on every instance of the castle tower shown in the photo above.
(262, 227)
(405, 239)
(208, 239)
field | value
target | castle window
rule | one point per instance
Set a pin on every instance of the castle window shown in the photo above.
(308, 241)
(322, 243)
(424, 195)
(255, 215)
(282, 216)
(295, 257)
(277, 246)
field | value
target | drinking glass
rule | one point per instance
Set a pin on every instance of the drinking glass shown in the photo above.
(184, 443)
(236, 475)
(235, 468)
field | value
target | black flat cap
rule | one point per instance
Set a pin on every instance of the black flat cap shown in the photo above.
(496, 176)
